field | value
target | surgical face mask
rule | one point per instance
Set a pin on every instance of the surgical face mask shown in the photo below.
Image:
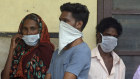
(67, 34)
(31, 40)
(108, 43)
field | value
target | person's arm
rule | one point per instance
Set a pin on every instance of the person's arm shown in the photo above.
(48, 75)
(122, 69)
(69, 75)
(123, 73)
(6, 70)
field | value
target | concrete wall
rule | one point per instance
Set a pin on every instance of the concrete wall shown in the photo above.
(4, 50)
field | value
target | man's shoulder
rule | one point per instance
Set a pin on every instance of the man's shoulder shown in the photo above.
(121, 63)
(55, 52)
(82, 49)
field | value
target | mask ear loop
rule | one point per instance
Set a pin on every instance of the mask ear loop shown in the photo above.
(101, 34)
(101, 38)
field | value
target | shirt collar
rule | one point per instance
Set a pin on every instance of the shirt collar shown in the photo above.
(95, 53)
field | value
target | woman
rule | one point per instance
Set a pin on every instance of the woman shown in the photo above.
(30, 50)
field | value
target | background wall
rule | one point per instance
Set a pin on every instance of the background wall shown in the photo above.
(13, 11)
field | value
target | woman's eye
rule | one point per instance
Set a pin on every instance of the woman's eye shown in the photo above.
(33, 28)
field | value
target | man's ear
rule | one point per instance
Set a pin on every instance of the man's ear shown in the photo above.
(98, 37)
(79, 25)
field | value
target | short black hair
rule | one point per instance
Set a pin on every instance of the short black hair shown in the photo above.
(79, 12)
(107, 23)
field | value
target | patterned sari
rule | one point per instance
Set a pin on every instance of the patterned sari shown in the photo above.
(32, 62)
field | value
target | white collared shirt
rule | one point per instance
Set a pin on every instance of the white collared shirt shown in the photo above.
(98, 69)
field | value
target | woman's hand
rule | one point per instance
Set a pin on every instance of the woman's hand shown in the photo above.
(14, 41)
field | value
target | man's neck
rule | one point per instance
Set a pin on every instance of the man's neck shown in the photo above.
(74, 43)
(107, 58)
(102, 53)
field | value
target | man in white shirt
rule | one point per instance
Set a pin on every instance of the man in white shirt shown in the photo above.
(105, 63)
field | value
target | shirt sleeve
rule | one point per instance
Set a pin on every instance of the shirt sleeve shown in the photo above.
(137, 74)
(123, 69)
(79, 61)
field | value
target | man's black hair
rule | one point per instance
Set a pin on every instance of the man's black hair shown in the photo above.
(107, 23)
(79, 12)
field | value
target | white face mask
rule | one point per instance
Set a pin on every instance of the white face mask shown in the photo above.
(108, 43)
(67, 34)
(31, 40)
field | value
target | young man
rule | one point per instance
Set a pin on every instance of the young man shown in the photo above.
(72, 59)
(105, 63)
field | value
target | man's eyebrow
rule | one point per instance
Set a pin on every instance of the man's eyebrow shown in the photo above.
(23, 26)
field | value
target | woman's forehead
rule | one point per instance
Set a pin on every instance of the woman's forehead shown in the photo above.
(29, 22)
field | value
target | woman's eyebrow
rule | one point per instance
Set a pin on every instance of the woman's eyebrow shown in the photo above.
(24, 27)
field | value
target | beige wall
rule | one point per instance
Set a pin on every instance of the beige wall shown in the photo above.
(13, 11)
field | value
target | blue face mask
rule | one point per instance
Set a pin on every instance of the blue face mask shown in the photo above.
(108, 43)
(31, 40)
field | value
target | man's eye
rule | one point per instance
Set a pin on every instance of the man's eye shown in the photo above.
(24, 28)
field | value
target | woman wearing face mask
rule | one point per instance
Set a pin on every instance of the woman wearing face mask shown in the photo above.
(105, 63)
(30, 50)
